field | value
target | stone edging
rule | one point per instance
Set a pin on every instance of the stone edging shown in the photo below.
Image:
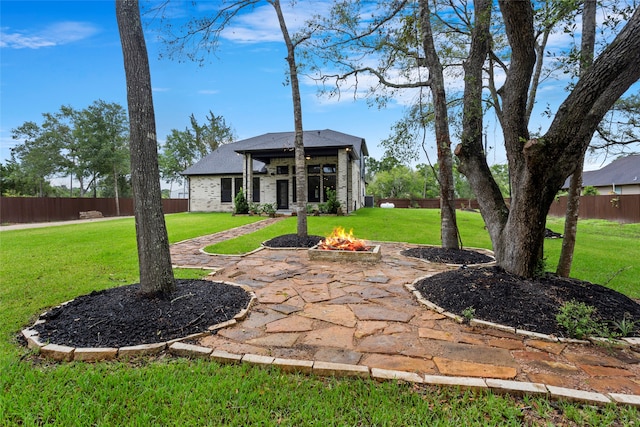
(65, 353)
(633, 342)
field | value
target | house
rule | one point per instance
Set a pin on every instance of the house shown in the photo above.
(622, 176)
(264, 167)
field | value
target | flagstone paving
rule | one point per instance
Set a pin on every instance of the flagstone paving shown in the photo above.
(360, 313)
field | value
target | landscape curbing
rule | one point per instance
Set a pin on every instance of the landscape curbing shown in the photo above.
(321, 368)
(633, 342)
(179, 348)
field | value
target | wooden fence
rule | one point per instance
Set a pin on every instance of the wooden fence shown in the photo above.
(621, 208)
(428, 203)
(47, 209)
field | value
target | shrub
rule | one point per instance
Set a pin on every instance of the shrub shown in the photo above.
(240, 203)
(578, 319)
(269, 209)
(590, 190)
(254, 208)
(332, 204)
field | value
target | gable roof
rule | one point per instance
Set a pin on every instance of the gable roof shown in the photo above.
(622, 171)
(228, 158)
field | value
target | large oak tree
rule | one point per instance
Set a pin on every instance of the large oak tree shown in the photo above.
(539, 166)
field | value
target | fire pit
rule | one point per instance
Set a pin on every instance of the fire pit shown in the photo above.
(342, 246)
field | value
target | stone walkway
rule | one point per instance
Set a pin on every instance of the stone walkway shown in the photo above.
(363, 314)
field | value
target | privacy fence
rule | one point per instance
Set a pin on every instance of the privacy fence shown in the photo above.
(46, 209)
(621, 208)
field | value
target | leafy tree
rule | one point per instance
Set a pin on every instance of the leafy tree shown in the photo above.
(399, 182)
(201, 35)
(392, 44)
(40, 155)
(156, 274)
(183, 148)
(539, 166)
(374, 166)
(102, 144)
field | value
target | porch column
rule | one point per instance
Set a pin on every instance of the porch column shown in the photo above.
(247, 175)
(342, 181)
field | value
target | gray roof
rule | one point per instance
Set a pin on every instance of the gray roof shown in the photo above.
(622, 171)
(227, 159)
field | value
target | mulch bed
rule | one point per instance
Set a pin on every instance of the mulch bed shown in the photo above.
(120, 317)
(293, 241)
(531, 304)
(448, 256)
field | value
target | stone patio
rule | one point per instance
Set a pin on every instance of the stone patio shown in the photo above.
(362, 314)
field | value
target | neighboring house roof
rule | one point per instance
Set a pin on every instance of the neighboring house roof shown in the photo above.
(228, 159)
(622, 171)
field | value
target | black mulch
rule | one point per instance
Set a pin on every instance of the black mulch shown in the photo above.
(530, 304)
(121, 317)
(447, 256)
(550, 234)
(293, 241)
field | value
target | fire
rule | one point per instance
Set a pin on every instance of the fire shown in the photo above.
(339, 239)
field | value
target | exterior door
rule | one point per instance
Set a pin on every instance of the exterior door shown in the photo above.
(282, 193)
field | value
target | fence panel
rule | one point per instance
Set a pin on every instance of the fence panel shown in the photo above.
(46, 209)
(622, 208)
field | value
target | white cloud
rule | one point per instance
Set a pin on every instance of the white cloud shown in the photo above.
(261, 24)
(160, 89)
(56, 34)
(208, 92)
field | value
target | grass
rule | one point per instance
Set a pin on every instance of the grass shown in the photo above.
(596, 243)
(43, 267)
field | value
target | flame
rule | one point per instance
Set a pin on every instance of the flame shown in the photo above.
(339, 239)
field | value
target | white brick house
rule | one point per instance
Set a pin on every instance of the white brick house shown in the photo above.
(263, 166)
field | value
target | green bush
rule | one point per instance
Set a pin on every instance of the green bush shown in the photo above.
(269, 209)
(240, 203)
(332, 204)
(590, 190)
(578, 319)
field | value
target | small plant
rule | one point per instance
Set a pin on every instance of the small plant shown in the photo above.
(541, 267)
(468, 314)
(269, 209)
(254, 208)
(627, 326)
(578, 319)
(240, 203)
(332, 204)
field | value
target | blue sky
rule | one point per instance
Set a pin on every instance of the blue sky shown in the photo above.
(68, 53)
(55, 53)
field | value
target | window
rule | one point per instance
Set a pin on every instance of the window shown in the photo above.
(328, 168)
(295, 190)
(256, 190)
(282, 170)
(225, 190)
(328, 182)
(313, 188)
(319, 179)
(238, 185)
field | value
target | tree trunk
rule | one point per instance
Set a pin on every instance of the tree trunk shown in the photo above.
(115, 189)
(156, 274)
(301, 173)
(448, 225)
(539, 167)
(575, 185)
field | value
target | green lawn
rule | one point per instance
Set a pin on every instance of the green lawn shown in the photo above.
(44, 267)
(606, 252)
